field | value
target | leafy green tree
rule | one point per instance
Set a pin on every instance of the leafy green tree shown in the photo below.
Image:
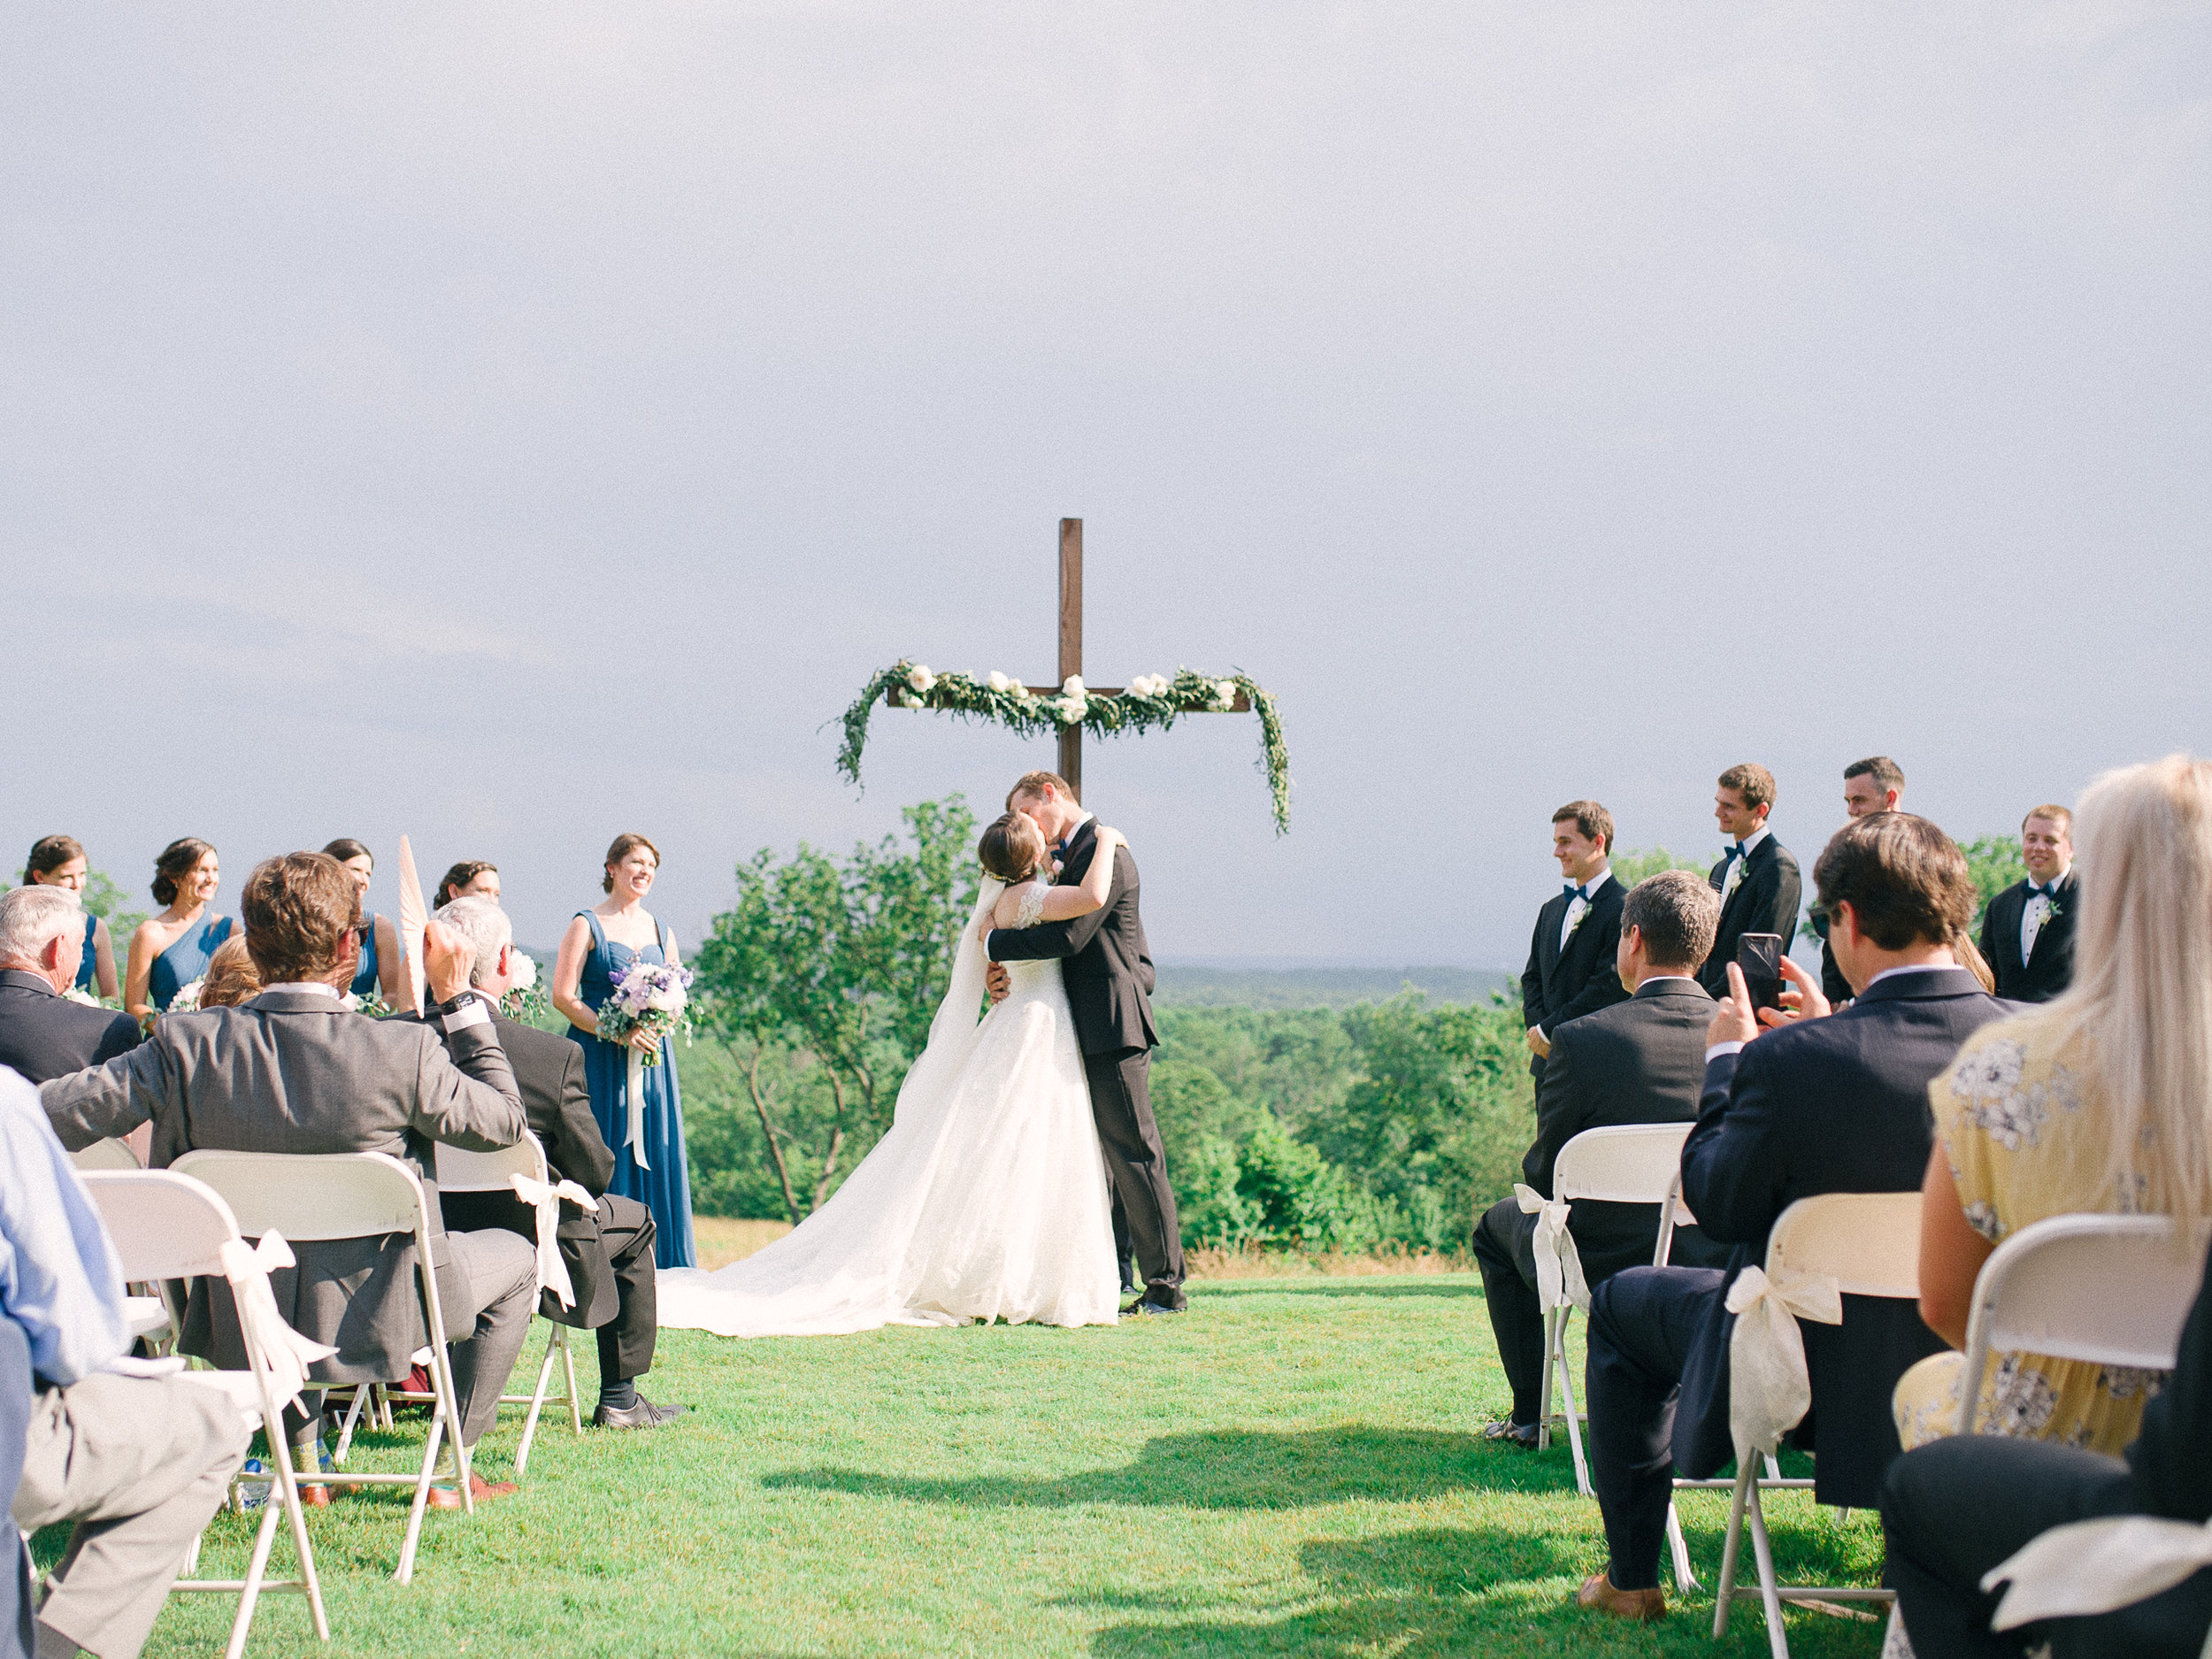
(846, 962)
(1996, 864)
(1633, 864)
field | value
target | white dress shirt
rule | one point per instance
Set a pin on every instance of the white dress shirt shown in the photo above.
(474, 1014)
(1577, 909)
(1729, 882)
(2037, 911)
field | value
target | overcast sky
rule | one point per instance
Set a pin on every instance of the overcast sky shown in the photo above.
(513, 424)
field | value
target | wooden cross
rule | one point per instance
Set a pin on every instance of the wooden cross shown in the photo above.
(1071, 658)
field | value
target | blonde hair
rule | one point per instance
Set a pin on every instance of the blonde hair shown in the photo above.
(231, 978)
(2139, 1009)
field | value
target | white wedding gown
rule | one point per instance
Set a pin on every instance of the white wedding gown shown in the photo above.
(987, 1199)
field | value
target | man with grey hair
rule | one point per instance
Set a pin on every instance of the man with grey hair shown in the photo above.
(609, 1251)
(1638, 1062)
(43, 1033)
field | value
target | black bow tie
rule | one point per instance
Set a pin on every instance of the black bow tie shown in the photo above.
(2048, 892)
(1574, 892)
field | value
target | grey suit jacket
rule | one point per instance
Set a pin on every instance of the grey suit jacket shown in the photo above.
(293, 1071)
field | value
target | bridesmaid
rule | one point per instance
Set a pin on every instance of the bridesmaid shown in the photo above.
(471, 879)
(379, 973)
(172, 950)
(610, 935)
(58, 861)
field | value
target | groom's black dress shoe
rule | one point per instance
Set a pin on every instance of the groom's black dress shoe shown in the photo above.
(1140, 1306)
(1523, 1435)
(643, 1415)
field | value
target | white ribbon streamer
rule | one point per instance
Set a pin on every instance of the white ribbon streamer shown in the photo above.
(636, 1090)
(1558, 1264)
(288, 1354)
(2086, 1567)
(1770, 1389)
(545, 1198)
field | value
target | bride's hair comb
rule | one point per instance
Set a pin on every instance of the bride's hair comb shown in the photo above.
(1012, 848)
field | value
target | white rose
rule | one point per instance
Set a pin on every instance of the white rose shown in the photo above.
(920, 677)
(1073, 710)
(999, 682)
(1021, 692)
(525, 970)
(1073, 686)
(1225, 690)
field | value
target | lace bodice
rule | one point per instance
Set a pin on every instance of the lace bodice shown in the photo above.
(1030, 910)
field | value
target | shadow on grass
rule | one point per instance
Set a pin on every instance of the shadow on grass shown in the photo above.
(1409, 1285)
(1237, 1469)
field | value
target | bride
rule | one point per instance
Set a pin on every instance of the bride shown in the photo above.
(987, 1199)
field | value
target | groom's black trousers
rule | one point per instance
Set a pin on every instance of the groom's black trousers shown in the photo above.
(1121, 1104)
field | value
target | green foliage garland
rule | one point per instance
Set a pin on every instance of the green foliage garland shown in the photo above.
(1148, 703)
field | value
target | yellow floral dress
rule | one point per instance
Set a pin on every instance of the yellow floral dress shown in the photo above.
(2025, 1138)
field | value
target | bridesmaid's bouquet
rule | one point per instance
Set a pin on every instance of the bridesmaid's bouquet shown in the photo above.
(651, 997)
(648, 997)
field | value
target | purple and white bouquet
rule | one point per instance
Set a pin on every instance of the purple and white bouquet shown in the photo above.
(648, 997)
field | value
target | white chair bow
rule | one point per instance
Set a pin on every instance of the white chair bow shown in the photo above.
(545, 1198)
(1558, 1264)
(2086, 1567)
(288, 1354)
(1770, 1389)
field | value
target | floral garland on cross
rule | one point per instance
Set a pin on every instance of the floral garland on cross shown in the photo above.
(1149, 700)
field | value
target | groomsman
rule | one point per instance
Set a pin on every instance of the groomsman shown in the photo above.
(1757, 876)
(1876, 784)
(1569, 966)
(2028, 932)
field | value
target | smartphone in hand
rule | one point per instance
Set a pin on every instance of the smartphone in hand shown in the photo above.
(1759, 956)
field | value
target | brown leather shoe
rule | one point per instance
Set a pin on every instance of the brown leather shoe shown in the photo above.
(480, 1489)
(314, 1497)
(1644, 1606)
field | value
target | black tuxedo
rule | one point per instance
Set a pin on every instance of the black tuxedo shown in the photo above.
(43, 1035)
(1834, 1105)
(1953, 1509)
(1637, 1062)
(1764, 902)
(609, 1252)
(2051, 970)
(1107, 967)
(1558, 985)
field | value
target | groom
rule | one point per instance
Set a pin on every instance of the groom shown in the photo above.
(1107, 972)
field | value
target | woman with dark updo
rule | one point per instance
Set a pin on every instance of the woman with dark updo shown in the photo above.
(471, 879)
(58, 861)
(378, 972)
(172, 950)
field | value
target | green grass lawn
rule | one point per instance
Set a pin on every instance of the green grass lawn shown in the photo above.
(1293, 1467)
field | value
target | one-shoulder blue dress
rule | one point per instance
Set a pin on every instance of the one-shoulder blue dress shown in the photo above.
(89, 964)
(665, 1188)
(185, 960)
(365, 983)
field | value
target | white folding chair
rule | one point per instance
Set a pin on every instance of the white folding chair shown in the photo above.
(1624, 1163)
(318, 1196)
(465, 1172)
(105, 1155)
(1866, 1244)
(2111, 1290)
(168, 1225)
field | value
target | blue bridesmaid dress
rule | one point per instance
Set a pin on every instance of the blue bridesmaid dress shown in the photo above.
(665, 1188)
(364, 982)
(89, 964)
(184, 960)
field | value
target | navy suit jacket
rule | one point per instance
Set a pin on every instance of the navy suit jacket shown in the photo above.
(1834, 1105)
(45, 1036)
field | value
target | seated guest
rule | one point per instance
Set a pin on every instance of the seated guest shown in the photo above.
(1757, 878)
(379, 973)
(141, 1464)
(2028, 935)
(609, 1251)
(471, 879)
(2093, 1103)
(1953, 1509)
(231, 978)
(1876, 784)
(1815, 1104)
(171, 951)
(43, 1034)
(294, 1072)
(58, 861)
(1569, 969)
(1638, 1062)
